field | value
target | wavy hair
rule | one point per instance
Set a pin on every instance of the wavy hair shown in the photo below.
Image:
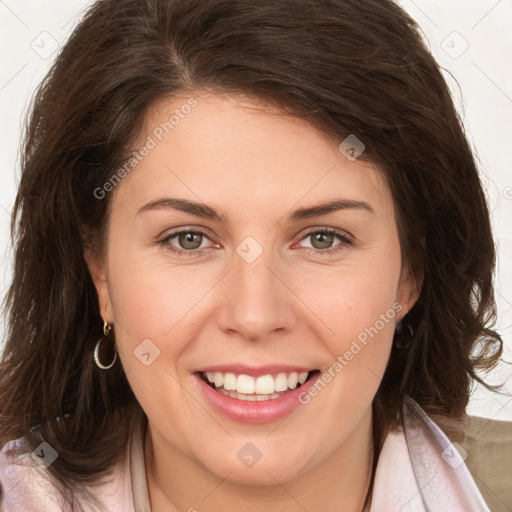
(347, 67)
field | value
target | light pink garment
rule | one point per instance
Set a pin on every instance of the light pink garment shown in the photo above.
(26, 486)
(422, 471)
(418, 470)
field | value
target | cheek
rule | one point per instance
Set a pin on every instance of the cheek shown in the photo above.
(151, 312)
(362, 318)
(360, 309)
(363, 326)
(366, 306)
(351, 300)
(163, 304)
(147, 304)
(151, 297)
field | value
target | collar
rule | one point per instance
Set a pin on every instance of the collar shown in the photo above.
(421, 470)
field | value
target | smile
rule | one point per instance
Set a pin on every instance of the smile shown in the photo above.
(249, 388)
(262, 397)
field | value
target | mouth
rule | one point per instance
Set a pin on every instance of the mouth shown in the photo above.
(256, 388)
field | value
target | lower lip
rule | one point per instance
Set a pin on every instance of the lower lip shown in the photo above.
(253, 411)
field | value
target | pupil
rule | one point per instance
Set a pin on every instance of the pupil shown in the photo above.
(323, 238)
(188, 238)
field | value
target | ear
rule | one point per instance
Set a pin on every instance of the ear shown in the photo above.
(96, 263)
(409, 289)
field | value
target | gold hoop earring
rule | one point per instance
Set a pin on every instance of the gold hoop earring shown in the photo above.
(106, 330)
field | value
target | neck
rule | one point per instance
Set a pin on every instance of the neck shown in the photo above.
(341, 483)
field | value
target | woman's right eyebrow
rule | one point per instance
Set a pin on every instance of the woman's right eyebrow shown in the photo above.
(184, 205)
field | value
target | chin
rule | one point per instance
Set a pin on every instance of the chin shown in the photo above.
(279, 468)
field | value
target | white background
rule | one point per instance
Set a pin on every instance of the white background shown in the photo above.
(472, 41)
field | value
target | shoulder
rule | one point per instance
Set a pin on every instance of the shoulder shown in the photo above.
(24, 483)
(27, 485)
(488, 447)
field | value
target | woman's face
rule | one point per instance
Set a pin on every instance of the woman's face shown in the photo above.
(260, 282)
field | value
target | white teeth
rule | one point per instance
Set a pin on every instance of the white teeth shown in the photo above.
(263, 386)
(302, 377)
(230, 382)
(292, 380)
(281, 382)
(249, 398)
(218, 379)
(245, 384)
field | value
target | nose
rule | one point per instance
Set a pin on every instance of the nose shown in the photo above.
(256, 302)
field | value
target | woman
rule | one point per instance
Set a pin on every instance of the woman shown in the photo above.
(271, 211)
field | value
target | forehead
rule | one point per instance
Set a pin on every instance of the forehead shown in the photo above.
(233, 149)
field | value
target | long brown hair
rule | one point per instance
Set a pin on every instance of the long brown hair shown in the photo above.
(347, 67)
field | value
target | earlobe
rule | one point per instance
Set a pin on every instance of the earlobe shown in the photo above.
(97, 269)
(409, 290)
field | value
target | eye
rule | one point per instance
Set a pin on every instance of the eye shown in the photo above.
(189, 242)
(322, 241)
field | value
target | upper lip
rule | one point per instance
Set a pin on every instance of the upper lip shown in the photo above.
(242, 368)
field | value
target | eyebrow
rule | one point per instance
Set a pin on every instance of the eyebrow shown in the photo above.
(207, 212)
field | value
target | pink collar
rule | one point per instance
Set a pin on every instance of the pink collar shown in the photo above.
(420, 470)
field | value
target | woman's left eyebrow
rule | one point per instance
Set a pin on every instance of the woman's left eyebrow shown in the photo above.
(328, 207)
(207, 212)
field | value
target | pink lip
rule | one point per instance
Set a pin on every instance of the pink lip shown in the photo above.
(255, 412)
(255, 371)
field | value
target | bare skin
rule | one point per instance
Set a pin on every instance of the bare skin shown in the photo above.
(294, 304)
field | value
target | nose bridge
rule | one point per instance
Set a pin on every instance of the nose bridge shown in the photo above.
(257, 302)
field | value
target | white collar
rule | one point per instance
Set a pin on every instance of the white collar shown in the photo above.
(420, 470)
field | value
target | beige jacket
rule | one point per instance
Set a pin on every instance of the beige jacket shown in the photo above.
(488, 444)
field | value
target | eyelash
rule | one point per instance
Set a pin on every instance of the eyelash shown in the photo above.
(346, 241)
